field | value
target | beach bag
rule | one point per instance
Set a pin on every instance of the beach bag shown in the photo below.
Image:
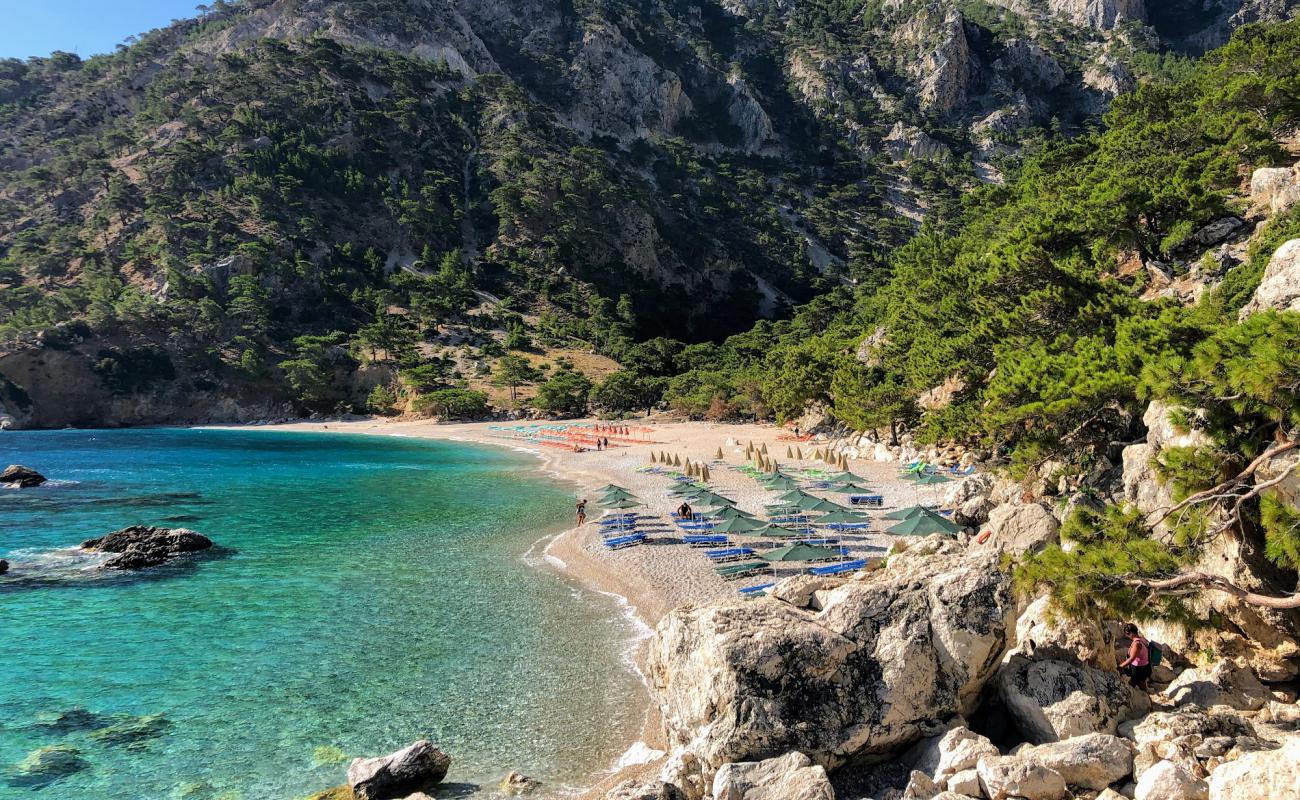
(1155, 654)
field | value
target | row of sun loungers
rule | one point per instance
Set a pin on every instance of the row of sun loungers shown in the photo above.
(617, 542)
(729, 554)
(731, 572)
(839, 568)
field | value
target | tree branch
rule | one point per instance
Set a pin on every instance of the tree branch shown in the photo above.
(1216, 583)
(1223, 490)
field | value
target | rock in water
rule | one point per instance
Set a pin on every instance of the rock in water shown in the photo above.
(517, 783)
(4, 566)
(888, 655)
(16, 475)
(146, 546)
(412, 769)
(45, 766)
(1051, 700)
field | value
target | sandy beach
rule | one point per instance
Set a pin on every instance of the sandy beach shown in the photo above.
(664, 573)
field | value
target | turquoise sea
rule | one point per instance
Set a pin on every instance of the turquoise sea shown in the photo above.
(369, 591)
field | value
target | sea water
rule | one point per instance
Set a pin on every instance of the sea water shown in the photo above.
(367, 591)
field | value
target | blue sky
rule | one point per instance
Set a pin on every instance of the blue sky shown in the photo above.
(85, 27)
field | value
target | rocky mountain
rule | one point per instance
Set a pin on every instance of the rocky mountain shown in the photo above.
(336, 185)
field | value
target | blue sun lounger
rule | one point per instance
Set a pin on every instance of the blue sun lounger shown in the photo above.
(823, 542)
(624, 541)
(840, 568)
(696, 526)
(756, 591)
(848, 526)
(706, 540)
(729, 554)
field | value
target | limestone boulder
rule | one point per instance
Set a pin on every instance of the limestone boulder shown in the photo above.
(1091, 761)
(966, 783)
(1170, 781)
(414, 768)
(956, 750)
(684, 770)
(1262, 775)
(802, 590)
(1275, 189)
(1162, 726)
(1016, 528)
(1002, 777)
(792, 776)
(1044, 633)
(1279, 289)
(645, 790)
(1050, 700)
(1226, 683)
(920, 787)
(886, 656)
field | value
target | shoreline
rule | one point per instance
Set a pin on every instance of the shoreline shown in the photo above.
(649, 581)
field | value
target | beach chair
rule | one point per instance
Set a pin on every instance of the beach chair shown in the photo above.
(868, 500)
(733, 571)
(839, 569)
(729, 554)
(756, 591)
(619, 542)
(706, 540)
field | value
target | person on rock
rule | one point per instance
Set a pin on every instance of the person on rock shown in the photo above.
(1138, 664)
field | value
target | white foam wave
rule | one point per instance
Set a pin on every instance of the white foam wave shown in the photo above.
(638, 753)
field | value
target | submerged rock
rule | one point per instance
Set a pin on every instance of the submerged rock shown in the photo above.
(889, 655)
(132, 732)
(4, 566)
(412, 769)
(45, 766)
(517, 784)
(73, 719)
(18, 476)
(142, 546)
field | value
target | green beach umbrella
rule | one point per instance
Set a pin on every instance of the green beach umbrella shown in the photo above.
(615, 494)
(931, 480)
(793, 496)
(850, 488)
(800, 552)
(842, 477)
(923, 525)
(730, 512)
(622, 502)
(817, 504)
(780, 482)
(774, 532)
(906, 513)
(611, 487)
(714, 499)
(740, 525)
(841, 516)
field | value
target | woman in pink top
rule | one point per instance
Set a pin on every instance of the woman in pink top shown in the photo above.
(1138, 664)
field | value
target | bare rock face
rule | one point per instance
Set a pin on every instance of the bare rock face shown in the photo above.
(1280, 287)
(792, 776)
(414, 768)
(1020, 528)
(18, 476)
(1102, 15)
(958, 750)
(1224, 684)
(1044, 634)
(1263, 775)
(142, 546)
(1051, 700)
(1275, 189)
(1091, 761)
(888, 655)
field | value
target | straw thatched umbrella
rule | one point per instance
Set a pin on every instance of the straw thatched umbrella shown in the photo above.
(704, 472)
(788, 452)
(652, 456)
(817, 455)
(677, 461)
(798, 453)
(719, 455)
(763, 449)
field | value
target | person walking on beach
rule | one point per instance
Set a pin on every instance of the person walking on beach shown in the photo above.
(1138, 664)
(582, 511)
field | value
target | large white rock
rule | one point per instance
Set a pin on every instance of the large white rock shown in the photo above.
(683, 770)
(792, 776)
(1162, 726)
(1279, 289)
(645, 790)
(887, 656)
(966, 782)
(1010, 776)
(1050, 700)
(1045, 633)
(1015, 528)
(957, 750)
(1091, 761)
(1226, 683)
(1275, 188)
(1265, 775)
(1170, 781)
